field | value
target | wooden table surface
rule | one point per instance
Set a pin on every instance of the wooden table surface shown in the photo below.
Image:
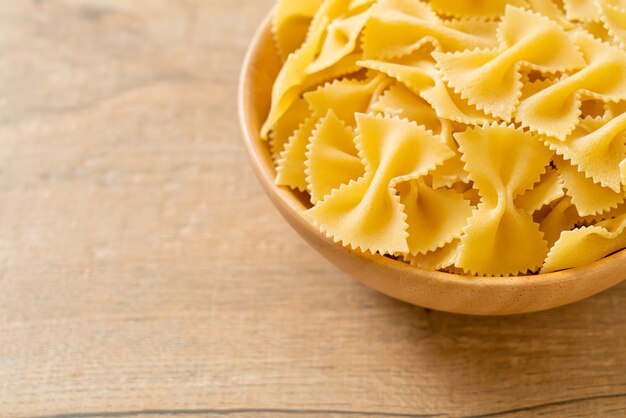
(143, 273)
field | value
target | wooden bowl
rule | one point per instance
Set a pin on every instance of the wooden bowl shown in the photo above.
(431, 289)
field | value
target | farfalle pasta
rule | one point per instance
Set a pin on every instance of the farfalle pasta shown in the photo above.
(491, 78)
(613, 16)
(412, 24)
(484, 138)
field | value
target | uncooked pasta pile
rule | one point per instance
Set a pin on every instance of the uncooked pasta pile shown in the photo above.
(481, 137)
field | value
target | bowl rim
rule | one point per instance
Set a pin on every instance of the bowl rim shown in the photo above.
(254, 146)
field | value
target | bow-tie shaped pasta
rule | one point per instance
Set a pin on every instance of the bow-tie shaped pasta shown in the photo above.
(503, 162)
(367, 213)
(482, 8)
(613, 16)
(399, 27)
(597, 147)
(555, 110)
(419, 73)
(587, 244)
(395, 118)
(491, 79)
(441, 258)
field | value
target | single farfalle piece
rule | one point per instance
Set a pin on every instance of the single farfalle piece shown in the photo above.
(419, 73)
(399, 27)
(503, 162)
(435, 217)
(491, 78)
(597, 147)
(586, 244)
(581, 10)
(555, 110)
(290, 23)
(589, 198)
(613, 16)
(331, 158)
(367, 213)
(478, 8)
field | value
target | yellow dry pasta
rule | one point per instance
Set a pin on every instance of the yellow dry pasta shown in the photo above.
(331, 158)
(419, 73)
(562, 217)
(503, 162)
(290, 166)
(288, 84)
(399, 27)
(613, 17)
(367, 214)
(581, 10)
(597, 148)
(297, 74)
(345, 97)
(589, 198)
(442, 212)
(290, 23)
(549, 189)
(400, 101)
(555, 110)
(491, 78)
(587, 244)
(552, 10)
(341, 39)
(476, 137)
(482, 8)
(439, 259)
(287, 125)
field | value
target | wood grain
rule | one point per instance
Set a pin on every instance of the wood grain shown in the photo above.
(143, 272)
